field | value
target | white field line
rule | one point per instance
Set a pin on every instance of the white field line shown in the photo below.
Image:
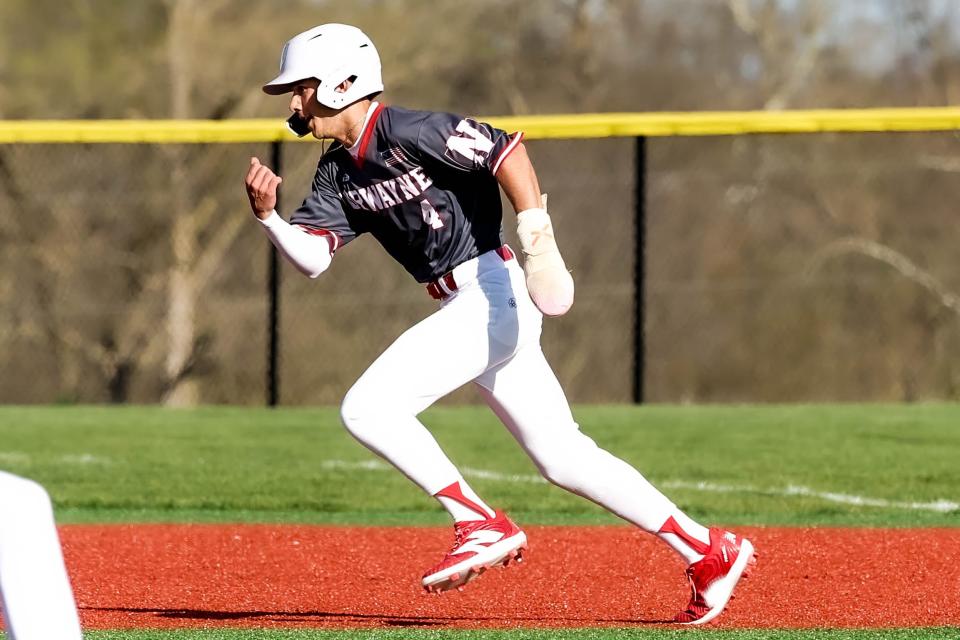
(940, 506)
(20, 458)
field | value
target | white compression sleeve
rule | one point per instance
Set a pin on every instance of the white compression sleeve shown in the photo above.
(310, 254)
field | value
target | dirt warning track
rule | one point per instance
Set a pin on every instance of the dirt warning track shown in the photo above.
(182, 576)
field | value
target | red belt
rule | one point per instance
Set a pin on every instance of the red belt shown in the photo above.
(445, 286)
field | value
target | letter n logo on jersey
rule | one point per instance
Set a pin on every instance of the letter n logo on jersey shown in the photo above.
(468, 147)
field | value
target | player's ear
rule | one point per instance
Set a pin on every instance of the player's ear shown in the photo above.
(345, 85)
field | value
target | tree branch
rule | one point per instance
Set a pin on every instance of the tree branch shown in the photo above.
(899, 262)
(740, 10)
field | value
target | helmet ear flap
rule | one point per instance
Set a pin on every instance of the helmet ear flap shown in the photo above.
(340, 96)
(340, 89)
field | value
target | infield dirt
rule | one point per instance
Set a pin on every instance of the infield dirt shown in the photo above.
(258, 576)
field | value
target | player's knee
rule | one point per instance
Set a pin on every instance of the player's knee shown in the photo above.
(561, 461)
(560, 470)
(367, 410)
(351, 414)
(357, 412)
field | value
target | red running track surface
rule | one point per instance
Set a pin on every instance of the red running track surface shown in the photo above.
(260, 576)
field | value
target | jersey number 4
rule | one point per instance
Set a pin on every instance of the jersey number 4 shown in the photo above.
(430, 215)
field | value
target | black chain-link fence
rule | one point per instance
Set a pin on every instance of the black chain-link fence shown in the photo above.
(778, 268)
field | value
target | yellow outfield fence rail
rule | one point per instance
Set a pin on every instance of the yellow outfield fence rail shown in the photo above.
(591, 125)
(129, 280)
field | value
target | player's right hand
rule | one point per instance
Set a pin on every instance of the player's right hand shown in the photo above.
(262, 186)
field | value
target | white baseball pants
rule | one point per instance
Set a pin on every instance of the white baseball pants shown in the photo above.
(488, 332)
(37, 600)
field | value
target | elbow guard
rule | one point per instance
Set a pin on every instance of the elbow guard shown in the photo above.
(548, 280)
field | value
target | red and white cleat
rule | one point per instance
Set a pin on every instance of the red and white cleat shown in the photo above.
(713, 578)
(479, 545)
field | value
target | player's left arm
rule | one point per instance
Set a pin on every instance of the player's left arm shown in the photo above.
(549, 282)
(518, 180)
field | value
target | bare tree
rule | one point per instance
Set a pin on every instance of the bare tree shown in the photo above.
(890, 257)
(790, 50)
(192, 265)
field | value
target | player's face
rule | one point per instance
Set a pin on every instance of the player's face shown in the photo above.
(320, 119)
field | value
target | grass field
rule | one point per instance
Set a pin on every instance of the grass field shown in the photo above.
(760, 465)
(845, 465)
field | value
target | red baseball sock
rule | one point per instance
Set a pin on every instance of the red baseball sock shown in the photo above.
(462, 503)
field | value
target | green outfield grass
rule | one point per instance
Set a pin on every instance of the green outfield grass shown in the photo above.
(104, 464)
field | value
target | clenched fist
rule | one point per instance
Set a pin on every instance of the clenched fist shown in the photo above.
(262, 186)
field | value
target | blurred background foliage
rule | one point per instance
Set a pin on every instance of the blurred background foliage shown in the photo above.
(781, 268)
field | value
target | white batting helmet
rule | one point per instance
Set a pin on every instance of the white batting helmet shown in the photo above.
(331, 53)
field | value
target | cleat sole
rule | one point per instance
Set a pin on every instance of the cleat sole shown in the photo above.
(464, 575)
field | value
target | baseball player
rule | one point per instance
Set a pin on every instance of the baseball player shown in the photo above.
(425, 186)
(34, 589)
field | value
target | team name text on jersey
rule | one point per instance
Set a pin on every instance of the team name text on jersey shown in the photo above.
(390, 193)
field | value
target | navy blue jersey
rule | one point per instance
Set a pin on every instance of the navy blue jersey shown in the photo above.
(422, 183)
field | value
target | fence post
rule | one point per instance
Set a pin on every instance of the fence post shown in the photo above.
(639, 268)
(273, 297)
